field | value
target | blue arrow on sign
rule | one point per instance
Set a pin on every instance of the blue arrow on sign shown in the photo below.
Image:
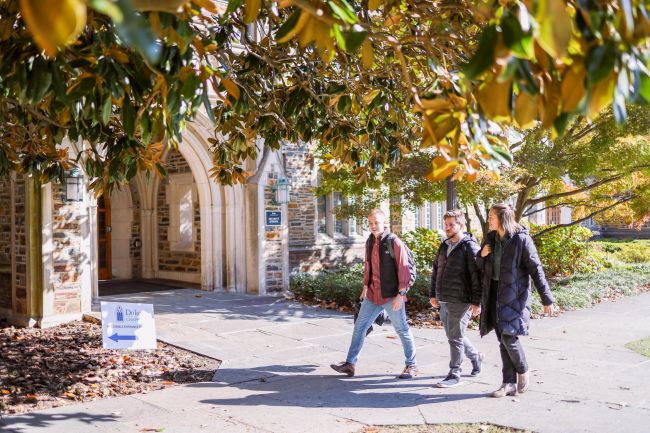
(116, 337)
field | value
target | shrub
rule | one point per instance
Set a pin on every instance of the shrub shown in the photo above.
(344, 286)
(424, 243)
(341, 286)
(621, 252)
(565, 251)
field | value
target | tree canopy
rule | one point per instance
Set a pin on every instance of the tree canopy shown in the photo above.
(369, 81)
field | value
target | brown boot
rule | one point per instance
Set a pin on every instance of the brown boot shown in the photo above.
(344, 367)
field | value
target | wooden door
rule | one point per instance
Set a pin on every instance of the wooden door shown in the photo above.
(104, 238)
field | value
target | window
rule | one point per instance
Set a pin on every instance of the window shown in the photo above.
(416, 217)
(553, 215)
(337, 201)
(441, 212)
(428, 215)
(322, 214)
(180, 198)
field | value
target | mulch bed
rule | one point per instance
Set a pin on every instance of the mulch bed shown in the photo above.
(44, 368)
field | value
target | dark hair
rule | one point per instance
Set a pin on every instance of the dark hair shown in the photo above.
(506, 216)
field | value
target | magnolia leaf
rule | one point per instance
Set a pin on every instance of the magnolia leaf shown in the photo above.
(600, 96)
(573, 87)
(526, 109)
(484, 56)
(370, 96)
(600, 61)
(54, 23)
(367, 54)
(231, 88)
(373, 5)
(292, 27)
(515, 38)
(494, 99)
(251, 10)
(555, 27)
(344, 12)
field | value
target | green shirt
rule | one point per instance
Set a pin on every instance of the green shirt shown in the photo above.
(497, 254)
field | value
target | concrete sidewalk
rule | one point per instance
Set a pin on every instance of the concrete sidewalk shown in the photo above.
(276, 377)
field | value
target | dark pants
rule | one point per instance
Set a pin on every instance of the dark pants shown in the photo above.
(513, 357)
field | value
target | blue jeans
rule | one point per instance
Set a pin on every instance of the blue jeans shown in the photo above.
(367, 315)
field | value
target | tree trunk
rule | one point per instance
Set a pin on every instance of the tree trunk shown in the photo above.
(481, 218)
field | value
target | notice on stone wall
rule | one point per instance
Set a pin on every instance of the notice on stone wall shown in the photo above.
(128, 326)
(273, 218)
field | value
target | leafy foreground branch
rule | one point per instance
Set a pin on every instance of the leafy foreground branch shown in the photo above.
(43, 368)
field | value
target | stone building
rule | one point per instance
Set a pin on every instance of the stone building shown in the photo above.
(57, 248)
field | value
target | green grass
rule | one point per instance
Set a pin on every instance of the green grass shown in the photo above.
(580, 291)
(442, 428)
(641, 347)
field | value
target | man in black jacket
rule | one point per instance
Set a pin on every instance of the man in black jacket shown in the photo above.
(456, 288)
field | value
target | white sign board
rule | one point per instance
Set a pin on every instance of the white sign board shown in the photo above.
(128, 326)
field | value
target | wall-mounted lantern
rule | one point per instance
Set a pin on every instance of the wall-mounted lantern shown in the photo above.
(74, 181)
(281, 191)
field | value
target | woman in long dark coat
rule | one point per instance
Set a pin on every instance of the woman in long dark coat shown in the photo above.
(509, 260)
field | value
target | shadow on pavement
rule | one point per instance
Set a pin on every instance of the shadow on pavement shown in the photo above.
(296, 387)
(48, 420)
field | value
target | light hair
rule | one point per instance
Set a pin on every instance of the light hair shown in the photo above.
(456, 214)
(506, 216)
(377, 211)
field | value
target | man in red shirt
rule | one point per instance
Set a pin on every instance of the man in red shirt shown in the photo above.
(384, 287)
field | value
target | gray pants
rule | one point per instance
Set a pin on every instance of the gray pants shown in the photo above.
(455, 316)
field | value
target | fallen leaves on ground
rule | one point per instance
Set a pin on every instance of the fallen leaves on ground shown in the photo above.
(43, 368)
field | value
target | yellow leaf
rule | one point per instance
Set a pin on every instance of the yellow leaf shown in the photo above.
(393, 20)
(208, 5)
(303, 19)
(367, 54)
(285, 3)
(324, 41)
(251, 10)
(526, 109)
(307, 34)
(573, 87)
(231, 88)
(555, 27)
(441, 169)
(6, 392)
(549, 103)
(600, 96)
(435, 105)
(154, 20)
(54, 23)
(370, 96)
(494, 99)
(373, 5)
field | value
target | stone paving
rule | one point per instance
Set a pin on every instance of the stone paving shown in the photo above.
(275, 375)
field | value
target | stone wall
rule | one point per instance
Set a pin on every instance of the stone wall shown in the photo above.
(309, 250)
(20, 246)
(273, 234)
(136, 235)
(68, 255)
(188, 262)
(5, 242)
